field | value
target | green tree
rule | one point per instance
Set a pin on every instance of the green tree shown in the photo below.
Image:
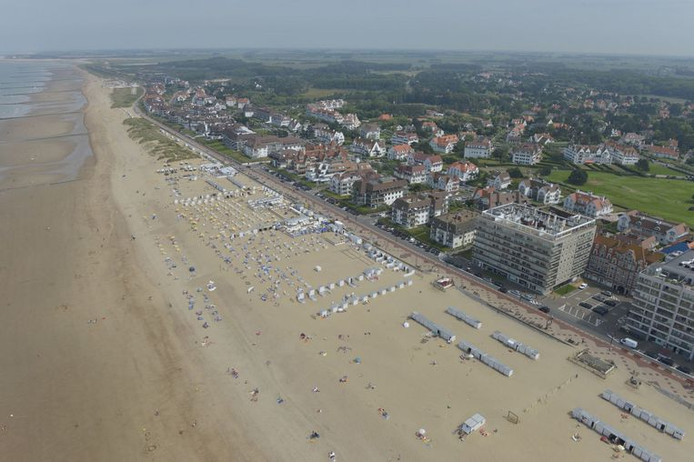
(500, 153)
(545, 171)
(643, 165)
(515, 172)
(578, 177)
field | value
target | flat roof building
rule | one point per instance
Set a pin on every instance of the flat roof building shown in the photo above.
(535, 248)
(663, 306)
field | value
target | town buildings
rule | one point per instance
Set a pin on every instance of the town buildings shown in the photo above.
(464, 171)
(455, 229)
(526, 154)
(616, 264)
(417, 210)
(444, 144)
(579, 154)
(377, 192)
(664, 232)
(540, 191)
(490, 197)
(481, 148)
(587, 203)
(413, 174)
(534, 248)
(663, 304)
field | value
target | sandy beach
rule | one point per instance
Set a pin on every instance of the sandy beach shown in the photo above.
(145, 317)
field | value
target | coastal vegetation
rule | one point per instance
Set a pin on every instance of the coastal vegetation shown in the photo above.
(155, 142)
(125, 96)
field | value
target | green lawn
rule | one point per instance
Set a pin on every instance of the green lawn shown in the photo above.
(656, 169)
(563, 290)
(664, 198)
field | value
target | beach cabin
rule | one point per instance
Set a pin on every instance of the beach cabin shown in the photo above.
(473, 424)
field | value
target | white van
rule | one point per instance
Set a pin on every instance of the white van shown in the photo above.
(631, 343)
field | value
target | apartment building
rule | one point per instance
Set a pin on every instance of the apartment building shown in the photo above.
(535, 248)
(456, 229)
(374, 193)
(663, 304)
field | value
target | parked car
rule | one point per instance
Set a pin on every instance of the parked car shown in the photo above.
(684, 369)
(503, 289)
(583, 286)
(606, 293)
(652, 354)
(544, 309)
(585, 305)
(611, 302)
(599, 298)
(514, 292)
(666, 360)
(602, 310)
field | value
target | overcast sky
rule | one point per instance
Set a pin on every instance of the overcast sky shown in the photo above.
(661, 27)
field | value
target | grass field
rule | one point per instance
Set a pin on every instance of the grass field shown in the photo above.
(657, 169)
(663, 198)
(125, 97)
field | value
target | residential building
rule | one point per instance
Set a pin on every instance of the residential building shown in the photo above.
(399, 151)
(350, 122)
(489, 197)
(542, 138)
(326, 135)
(343, 183)
(464, 171)
(662, 310)
(587, 203)
(455, 229)
(633, 138)
(370, 131)
(540, 191)
(664, 232)
(401, 137)
(417, 210)
(431, 127)
(413, 174)
(624, 155)
(444, 144)
(616, 264)
(367, 148)
(499, 180)
(527, 154)
(443, 182)
(377, 192)
(534, 248)
(432, 163)
(481, 148)
(261, 146)
(579, 154)
(663, 152)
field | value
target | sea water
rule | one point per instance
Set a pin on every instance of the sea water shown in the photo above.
(18, 81)
(21, 82)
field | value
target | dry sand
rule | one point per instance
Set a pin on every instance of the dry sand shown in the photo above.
(105, 359)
